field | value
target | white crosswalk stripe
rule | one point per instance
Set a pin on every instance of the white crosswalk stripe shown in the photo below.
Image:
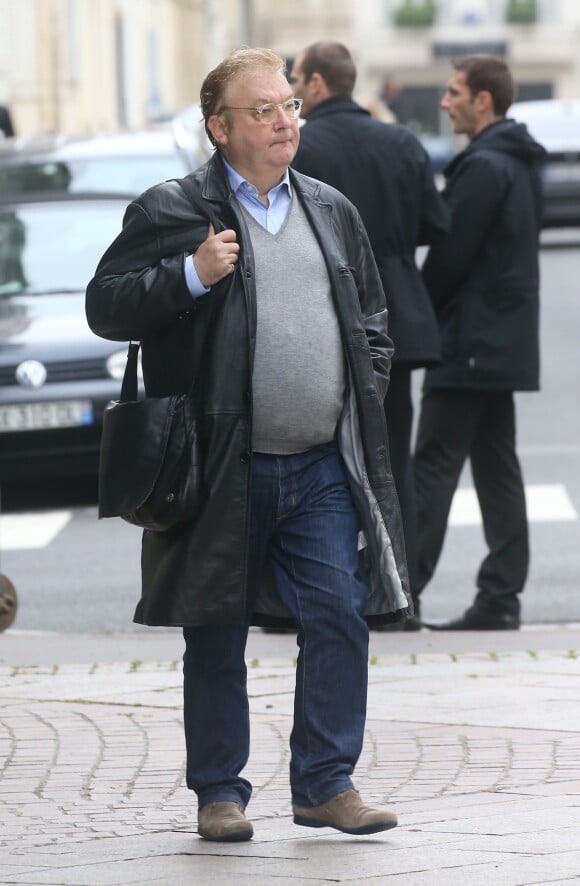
(21, 532)
(545, 503)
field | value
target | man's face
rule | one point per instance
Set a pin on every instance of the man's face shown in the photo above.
(301, 87)
(460, 105)
(254, 149)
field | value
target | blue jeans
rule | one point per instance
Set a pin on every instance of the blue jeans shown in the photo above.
(303, 519)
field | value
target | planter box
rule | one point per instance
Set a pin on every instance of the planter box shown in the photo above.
(415, 15)
(521, 12)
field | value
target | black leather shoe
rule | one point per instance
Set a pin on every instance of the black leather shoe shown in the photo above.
(413, 623)
(479, 620)
(271, 630)
(388, 628)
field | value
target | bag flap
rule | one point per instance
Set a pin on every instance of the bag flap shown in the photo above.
(133, 445)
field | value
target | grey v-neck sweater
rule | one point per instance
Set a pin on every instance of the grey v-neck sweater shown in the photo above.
(299, 370)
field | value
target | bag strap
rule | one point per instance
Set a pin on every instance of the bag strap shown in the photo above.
(204, 207)
(129, 384)
(190, 185)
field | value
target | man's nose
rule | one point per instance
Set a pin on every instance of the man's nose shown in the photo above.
(284, 114)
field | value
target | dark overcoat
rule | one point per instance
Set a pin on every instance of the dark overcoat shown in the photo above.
(197, 574)
(384, 170)
(484, 277)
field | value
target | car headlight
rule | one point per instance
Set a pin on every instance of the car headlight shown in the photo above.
(116, 365)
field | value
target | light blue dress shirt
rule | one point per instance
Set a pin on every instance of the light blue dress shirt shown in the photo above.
(271, 217)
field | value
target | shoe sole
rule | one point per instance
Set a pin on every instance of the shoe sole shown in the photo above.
(235, 837)
(436, 627)
(376, 828)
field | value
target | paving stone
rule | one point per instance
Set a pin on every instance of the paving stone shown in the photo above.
(478, 754)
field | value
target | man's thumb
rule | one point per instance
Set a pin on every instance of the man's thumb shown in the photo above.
(210, 232)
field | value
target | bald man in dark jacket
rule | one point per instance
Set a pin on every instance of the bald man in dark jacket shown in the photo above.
(385, 171)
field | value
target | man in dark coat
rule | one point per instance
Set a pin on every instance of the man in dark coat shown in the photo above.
(484, 282)
(385, 171)
(6, 125)
(262, 281)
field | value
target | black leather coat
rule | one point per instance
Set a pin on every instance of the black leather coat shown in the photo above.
(386, 172)
(197, 574)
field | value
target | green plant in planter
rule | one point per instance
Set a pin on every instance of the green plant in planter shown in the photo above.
(415, 15)
(521, 12)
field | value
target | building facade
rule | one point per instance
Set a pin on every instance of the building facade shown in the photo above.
(84, 66)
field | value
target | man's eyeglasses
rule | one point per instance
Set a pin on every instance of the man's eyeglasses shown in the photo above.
(268, 113)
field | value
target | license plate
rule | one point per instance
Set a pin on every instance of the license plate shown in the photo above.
(43, 416)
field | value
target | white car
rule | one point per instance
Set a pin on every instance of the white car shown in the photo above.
(555, 124)
(124, 163)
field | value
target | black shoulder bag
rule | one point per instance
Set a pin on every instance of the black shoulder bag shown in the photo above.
(150, 468)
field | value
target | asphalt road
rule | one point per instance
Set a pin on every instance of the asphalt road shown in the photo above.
(73, 573)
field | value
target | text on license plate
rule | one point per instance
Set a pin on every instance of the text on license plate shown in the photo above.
(42, 416)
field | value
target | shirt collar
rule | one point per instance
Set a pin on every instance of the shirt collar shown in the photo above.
(237, 181)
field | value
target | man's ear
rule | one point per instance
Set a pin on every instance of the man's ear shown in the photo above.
(218, 129)
(318, 86)
(484, 101)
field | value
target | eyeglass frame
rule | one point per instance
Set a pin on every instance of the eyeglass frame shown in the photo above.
(297, 102)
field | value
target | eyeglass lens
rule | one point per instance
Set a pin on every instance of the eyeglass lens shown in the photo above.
(268, 113)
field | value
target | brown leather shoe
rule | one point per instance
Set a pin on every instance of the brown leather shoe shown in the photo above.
(224, 821)
(346, 812)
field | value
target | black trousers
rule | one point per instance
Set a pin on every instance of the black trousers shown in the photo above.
(399, 416)
(479, 425)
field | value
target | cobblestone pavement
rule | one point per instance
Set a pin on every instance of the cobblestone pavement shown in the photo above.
(479, 754)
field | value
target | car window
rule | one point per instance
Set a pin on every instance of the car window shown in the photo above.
(34, 177)
(54, 247)
(130, 174)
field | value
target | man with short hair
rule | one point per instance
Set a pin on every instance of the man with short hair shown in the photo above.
(484, 283)
(261, 282)
(385, 171)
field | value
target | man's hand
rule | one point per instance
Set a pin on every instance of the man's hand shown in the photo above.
(216, 257)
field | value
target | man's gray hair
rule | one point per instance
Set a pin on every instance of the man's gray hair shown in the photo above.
(236, 64)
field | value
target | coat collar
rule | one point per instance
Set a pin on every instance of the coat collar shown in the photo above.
(216, 187)
(335, 104)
